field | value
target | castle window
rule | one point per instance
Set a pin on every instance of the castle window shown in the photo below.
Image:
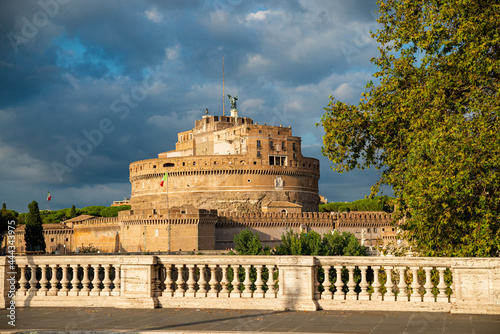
(194, 163)
(67, 239)
(271, 145)
(51, 239)
(168, 164)
(293, 146)
(154, 166)
(258, 154)
(215, 162)
(255, 162)
(277, 160)
(183, 164)
(278, 133)
(260, 131)
(294, 157)
(249, 180)
(283, 146)
(303, 165)
(374, 230)
(258, 144)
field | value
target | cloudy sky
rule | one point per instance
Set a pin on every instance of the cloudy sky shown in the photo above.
(88, 87)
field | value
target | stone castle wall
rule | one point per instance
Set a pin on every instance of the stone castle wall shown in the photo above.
(228, 184)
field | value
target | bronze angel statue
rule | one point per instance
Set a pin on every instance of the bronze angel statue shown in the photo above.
(233, 100)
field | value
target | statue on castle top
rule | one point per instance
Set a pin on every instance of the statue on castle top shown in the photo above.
(233, 100)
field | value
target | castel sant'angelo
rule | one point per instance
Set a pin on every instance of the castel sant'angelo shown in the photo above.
(226, 174)
(231, 164)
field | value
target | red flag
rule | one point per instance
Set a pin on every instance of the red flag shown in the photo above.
(48, 196)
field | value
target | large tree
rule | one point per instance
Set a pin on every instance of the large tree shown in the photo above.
(430, 123)
(34, 230)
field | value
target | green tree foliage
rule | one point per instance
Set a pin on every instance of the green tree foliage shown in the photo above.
(93, 210)
(6, 216)
(88, 249)
(56, 216)
(34, 229)
(72, 212)
(431, 123)
(378, 203)
(311, 243)
(112, 211)
(248, 243)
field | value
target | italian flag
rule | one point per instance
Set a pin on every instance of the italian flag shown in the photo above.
(48, 196)
(165, 177)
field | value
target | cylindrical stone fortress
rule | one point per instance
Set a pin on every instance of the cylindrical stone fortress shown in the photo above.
(229, 164)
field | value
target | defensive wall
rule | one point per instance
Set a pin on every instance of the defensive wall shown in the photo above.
(188, 229)
(456, 285)
(228, 183)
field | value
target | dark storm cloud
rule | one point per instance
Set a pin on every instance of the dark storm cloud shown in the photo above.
(100, 84)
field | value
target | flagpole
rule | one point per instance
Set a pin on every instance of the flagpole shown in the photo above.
(168, 218)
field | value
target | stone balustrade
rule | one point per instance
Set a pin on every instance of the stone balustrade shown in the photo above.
(457, 285)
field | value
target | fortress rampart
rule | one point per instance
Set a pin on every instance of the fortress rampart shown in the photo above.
(227, 183)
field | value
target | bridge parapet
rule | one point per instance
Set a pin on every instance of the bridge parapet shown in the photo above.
(457, 285)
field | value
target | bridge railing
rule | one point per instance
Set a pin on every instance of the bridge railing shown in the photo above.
(458, 285)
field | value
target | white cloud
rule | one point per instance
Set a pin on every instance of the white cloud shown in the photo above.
(154, 15)
(172, 53)
(259, 16)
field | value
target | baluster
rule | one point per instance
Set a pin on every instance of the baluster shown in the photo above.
(74, 281)
(247, 283)
(402, 294)
(224, 292)
(117, 280)
(213, 282)
(389, 295)
(64, 281)
(259, 292)
(190, 292)
(179, 292)
(96, 282)
(428, 296)
(415, 286)
(317, 294)
(168, 282)
(107, 281)
(33, 281)
(43, 281)
(53, 281)
(442, 296)
(235, 293)
(202, 283)
(23, 286)
(327, 294)
(85, 281)
(339, 294)
(351, 284)
(376, 295)
(271, 291)
(363, 294)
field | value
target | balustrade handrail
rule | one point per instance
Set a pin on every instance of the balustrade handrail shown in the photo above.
(218, 260)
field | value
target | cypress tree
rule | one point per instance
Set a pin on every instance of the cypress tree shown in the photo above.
(72, 213)
(34, 230)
